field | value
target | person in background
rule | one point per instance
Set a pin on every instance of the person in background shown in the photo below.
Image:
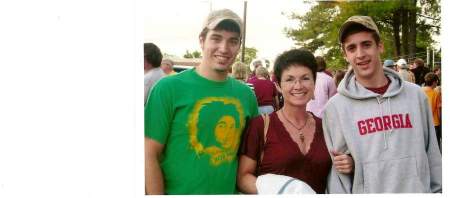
(324, 90)
(338, 76)
(435, 101)
(403, 71)
(382, 121)
(253, 66)
(390, 64)
(437, 71)
(239, 72)
(152, 70)
(294, 145)
(419, 71)
(265, 91)
(167, 67)
(194, 120)
(273, 78)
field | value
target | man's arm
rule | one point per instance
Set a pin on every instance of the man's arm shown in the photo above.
(154, 180)
(336, 182)
(432, 149)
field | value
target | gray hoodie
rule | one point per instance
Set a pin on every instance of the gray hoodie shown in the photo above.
(390, 137)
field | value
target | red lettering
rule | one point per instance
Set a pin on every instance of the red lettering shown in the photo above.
(387, 122)
(384, 123)
(378, 123)
(396, 121)
(362, 128)
(369, 125)
(408, 122)
(402, 125)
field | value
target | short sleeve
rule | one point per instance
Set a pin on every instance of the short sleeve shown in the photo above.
(158, 112)
(254, 112)
(251, 143)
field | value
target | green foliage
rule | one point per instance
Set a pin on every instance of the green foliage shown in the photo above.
(194, 54)
(250, 54)
(319, 28)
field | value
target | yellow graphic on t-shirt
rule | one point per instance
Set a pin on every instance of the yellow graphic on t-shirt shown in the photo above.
(226, 131)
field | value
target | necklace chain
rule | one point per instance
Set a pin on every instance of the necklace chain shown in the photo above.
(302, 137)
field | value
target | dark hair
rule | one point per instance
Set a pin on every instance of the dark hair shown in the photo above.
(338, 76)
(356, 28)
(227, 25)
(419, 62)
(152, 54)
(430, 78)
(436, 68)
(321, 64)
(295, 56)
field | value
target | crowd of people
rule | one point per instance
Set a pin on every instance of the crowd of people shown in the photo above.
(299, 129)
(430, 82)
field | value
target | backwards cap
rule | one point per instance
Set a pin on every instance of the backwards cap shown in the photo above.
(217, 16)
(365, 21)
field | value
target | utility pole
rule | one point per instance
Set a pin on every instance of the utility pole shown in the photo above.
(432, 63)
(243, 36)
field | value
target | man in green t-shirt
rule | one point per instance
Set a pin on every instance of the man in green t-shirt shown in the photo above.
(194, 120)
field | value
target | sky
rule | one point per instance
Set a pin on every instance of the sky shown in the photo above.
(175, 29)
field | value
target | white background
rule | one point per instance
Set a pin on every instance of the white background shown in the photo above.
(175, 29)
(71, 113)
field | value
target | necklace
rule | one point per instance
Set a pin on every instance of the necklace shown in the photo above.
(302, 137)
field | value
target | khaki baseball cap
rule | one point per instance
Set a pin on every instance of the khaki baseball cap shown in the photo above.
(365, 21)
(217, 16)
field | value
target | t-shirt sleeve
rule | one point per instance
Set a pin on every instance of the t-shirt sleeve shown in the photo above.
(158, 113)
(251, 142)
(253, 105)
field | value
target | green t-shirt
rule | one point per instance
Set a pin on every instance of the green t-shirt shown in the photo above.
(200, 122)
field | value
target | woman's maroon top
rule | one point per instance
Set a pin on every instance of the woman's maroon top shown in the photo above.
(282, 155)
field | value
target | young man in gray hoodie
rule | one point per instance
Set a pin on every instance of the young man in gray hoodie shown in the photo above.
(385, 123)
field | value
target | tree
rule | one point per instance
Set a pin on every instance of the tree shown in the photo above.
(250, 54)
(194, 54)
(404, 27)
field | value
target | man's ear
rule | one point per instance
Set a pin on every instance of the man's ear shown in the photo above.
(343, 52)
(201, 41)
(344, 55)
(381, 47)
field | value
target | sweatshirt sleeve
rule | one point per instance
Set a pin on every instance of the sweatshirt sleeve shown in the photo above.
(432, 148)
(334, 138)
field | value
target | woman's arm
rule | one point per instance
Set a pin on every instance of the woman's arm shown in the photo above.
(246, 179)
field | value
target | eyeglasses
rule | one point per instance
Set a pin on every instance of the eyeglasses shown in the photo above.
(302, 81)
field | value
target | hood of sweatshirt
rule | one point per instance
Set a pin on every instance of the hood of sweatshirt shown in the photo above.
(351, 88)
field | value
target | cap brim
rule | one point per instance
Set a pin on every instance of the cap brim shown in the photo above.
(344, 28)
(212, 25)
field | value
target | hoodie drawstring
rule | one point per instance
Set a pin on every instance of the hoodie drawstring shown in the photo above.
(379, 100)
